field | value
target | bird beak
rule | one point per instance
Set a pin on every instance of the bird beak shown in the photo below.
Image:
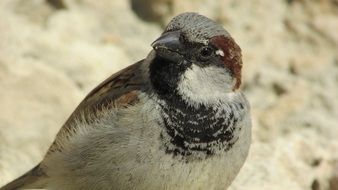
(169, 41)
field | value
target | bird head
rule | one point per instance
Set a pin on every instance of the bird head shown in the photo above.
(197, 59)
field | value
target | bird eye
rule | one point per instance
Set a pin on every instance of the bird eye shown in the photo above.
(205, 53)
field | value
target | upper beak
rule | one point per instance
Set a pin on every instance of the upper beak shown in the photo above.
(168, 41)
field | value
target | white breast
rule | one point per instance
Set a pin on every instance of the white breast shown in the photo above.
(124, 153)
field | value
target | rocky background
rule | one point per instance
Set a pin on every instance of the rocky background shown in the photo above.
(53, 52)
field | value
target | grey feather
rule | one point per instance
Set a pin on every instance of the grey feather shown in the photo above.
(197, 27)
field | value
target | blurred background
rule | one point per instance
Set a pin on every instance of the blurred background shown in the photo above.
(53, 52)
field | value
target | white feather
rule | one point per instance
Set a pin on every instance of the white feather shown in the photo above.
(208, 85)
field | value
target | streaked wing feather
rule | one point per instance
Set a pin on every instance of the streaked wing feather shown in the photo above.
(119, 90)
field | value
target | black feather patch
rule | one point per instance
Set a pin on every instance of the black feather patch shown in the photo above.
(164, 76)
(199, 132)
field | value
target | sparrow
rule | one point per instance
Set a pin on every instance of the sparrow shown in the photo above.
(174, 120)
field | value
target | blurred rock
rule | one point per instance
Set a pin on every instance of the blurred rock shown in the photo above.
(150, 10)
(57, 4)
(51, 57)
(36, 100)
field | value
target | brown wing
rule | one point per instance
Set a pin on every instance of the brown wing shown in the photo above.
(115, 90)
(119, 90)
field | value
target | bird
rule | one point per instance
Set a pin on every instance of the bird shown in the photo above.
(175, 120)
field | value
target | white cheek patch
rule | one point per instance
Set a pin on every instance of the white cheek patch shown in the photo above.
(219, 52)
(202, 85)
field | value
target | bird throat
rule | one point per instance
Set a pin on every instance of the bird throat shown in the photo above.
(190, 131)
(201, 132)
(165, 75)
